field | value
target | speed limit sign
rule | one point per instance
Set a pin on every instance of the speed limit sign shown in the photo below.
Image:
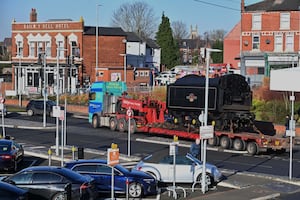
(129, 112)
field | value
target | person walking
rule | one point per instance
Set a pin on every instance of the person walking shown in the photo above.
(195, 148)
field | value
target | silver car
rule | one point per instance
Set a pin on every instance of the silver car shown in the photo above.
(188, 170)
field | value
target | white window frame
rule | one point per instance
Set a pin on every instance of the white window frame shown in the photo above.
(256, 21)
(278, 43)
(60, 46)
(39, 48)
(31, 49)
(19, 49)
(289, 42)
(285, 20)
(48, 49)
(255, 44)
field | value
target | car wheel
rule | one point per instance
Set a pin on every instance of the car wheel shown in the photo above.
(15, 167)
(30, 112)
(113, 123)
(122, 125)
(95, 121)
(208, 180)
(59, 196)
(135, 190)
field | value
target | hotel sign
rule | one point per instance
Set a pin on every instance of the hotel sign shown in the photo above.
(50, 26)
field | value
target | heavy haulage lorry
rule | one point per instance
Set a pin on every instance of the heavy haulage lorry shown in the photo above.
(109, 106)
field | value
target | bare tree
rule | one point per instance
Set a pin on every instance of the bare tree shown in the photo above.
(218, 34)
(179, 30)
(137, 17)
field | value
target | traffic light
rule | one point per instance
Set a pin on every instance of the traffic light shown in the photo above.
(40, 59)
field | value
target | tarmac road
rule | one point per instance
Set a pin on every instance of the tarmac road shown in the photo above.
(239, 186)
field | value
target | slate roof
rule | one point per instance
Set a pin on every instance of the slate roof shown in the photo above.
(133, 37)
(152, 44)
(274, 5)
(107, 31)
(191, 43)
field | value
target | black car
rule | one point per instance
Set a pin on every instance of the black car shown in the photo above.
(12, 192)
(11, 154)
(53, 183)
(36, 107)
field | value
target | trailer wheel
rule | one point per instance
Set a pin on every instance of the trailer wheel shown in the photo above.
(215, 141)
(239, 144)
(95, 121)
(122, 125)
(113, 123)
(225, 142)
(132, 126)
(252, 148)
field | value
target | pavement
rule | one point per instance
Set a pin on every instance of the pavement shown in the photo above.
(241, 185)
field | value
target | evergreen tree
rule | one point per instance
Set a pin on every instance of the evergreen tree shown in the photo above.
(169, 48)
(217, 57)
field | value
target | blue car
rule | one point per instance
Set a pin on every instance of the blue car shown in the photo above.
(12, 192)
(11, 154)
(139, 183)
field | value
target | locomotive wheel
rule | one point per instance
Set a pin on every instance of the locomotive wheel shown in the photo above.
(132, 126)
(252, 148)
(95, 121)
(113, 123)
(239, 144)
(225, 142)
(215, 141)
(122, 125)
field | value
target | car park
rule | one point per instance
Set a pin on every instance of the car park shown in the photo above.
(139, 183)
(12, 192)
(165, 78)
(53, 183)
(36, 107)
(188, 169)
(11, 154)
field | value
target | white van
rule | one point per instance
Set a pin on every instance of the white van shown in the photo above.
(165, 78)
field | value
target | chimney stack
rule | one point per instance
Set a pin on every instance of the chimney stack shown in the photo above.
(33, 15)
(242, 6)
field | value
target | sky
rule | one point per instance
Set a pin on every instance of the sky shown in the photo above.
(208, 15)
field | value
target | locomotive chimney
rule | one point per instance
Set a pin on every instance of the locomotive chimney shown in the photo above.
(33, 15)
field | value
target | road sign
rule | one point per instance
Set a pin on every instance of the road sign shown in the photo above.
(206, 132)
(113, 156)
(129, 112)
(56, 111)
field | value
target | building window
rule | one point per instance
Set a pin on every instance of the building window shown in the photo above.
(278, 43)
(39, 48)
(31, 49)
(285, 21)
(60, 47)
(20, 49)
(32, 79)
(289, 45)
(48, 49)
(256, 21)
(255, 42)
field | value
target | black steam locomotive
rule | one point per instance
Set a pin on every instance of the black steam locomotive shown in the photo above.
(229, 101)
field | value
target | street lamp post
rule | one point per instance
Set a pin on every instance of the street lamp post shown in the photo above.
(57, 100)
(208, 50)
(45, 98)
(125, 66)
(97, 35)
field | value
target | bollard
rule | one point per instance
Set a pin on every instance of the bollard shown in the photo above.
(80, 153)
(49, 156)
(127, 183)
(73, 152)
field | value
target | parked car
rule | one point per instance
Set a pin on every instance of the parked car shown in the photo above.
(188, 169)
(36, 107)
(165, 78)
(11, 154)
(139, 183)
(12, 192)
(50, 182)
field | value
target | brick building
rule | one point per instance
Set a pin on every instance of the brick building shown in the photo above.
(39, 49)
(269, 38)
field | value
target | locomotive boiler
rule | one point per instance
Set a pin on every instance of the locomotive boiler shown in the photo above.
(229, 101)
